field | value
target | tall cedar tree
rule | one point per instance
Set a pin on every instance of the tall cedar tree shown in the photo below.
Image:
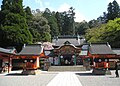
(39, 28)
(13, 27)
(68, 22)
(113, 11)
(52, 21)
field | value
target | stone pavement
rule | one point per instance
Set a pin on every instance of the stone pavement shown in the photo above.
(15, 78)
(87, 79)
(65, 79)
(82, 78)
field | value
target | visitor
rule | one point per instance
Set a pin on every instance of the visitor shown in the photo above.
(116, 70)
(66, 61)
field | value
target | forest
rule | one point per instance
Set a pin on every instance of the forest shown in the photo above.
(20, 25)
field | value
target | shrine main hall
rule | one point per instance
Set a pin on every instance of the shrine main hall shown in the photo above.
(66, 50)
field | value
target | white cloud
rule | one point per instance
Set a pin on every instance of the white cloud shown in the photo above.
(78, 16)
(47, 5)
(39, 2)
(64, 7)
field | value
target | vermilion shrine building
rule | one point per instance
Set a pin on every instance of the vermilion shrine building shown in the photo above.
(29, 57)
(6, 56)
(64, 51)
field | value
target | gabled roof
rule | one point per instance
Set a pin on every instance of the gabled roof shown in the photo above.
(116, 50)
(75, 40)
(100, 49)
(32, 49)
(7, 51)
(61, 41)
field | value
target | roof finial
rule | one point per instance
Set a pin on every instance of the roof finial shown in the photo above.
(108, 45)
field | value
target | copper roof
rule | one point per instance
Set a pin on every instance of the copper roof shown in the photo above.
(100, 49)
(32, 49)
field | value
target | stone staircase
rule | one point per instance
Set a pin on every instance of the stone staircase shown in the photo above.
(66, 68)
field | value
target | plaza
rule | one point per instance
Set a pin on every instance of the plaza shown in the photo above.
(45, 78)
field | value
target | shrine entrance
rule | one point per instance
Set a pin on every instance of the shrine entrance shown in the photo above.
(66, 60)
(66, 54)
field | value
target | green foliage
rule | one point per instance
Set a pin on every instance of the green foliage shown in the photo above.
(60, 23)
(59, 18)
(113, 11)
(109, 32)
(46, 37)
(93, 23)
(112, 34)
(14, 36)
(68, 27)
(52, 21)
(95, 34)
(14, 29)
(29, 15)
(40, 29)
(81, 27)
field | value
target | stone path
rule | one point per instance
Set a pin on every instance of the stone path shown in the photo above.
(65, 79)
(82, 78)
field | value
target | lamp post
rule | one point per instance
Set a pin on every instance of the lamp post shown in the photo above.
(61, 60)
(74, 57)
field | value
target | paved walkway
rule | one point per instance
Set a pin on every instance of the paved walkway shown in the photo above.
(65, 79)
(82, 78)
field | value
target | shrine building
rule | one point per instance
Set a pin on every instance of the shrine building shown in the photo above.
(6, 56)
(29, 57)
(66, 50)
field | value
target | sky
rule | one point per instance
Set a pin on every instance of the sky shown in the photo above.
(84, 9)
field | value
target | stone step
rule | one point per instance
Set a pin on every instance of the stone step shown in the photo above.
(67, 68)
(30, 72)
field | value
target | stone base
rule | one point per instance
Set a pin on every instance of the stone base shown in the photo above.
(88, 68)
(30, 72)
(99, 71)
(67, 68)
(108, 72)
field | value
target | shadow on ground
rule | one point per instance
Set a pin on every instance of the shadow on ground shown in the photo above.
(16, 74)
(87, 74)
(113, 77)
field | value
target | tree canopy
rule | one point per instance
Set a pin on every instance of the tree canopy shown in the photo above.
(13, 27)
(40, 29)
(109, 32)
(19, 25)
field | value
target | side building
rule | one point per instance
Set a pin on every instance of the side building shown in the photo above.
(6, 56)
(29, 57)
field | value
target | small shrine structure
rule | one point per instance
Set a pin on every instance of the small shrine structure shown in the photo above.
(29, 57)
(6, 56)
